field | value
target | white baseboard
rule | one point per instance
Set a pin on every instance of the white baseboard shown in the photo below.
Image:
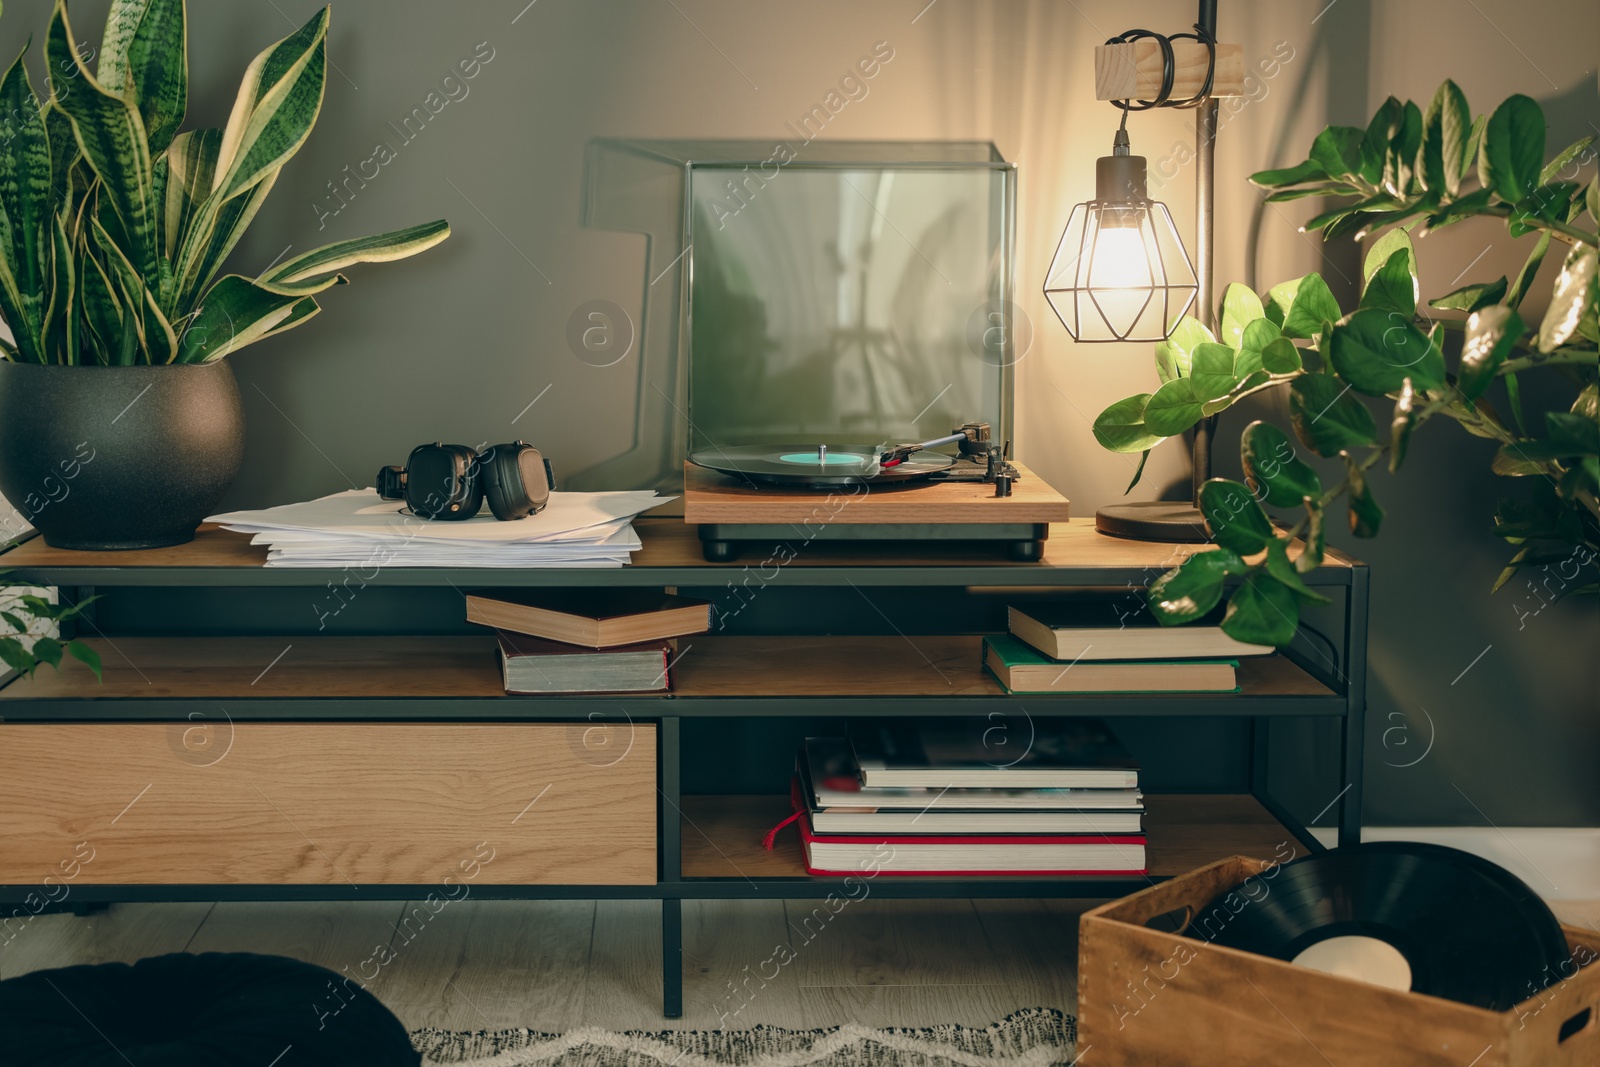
(1559, 862)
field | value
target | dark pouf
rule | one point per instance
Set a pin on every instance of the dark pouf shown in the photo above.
(219, 1008)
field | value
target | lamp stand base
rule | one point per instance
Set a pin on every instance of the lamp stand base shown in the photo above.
(1176, 521)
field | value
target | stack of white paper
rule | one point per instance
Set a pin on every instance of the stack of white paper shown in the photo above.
(360, 530)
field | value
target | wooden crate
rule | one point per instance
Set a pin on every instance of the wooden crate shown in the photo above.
(1146, 997)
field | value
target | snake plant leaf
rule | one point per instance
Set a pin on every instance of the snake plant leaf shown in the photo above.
(64, 152)
(61, 333)
(112, 137)
(191, 168)
(317, 269)
(277, 105)
(25, 199)
(122, 22)
(146, 60)
(157, 340)
(212, 234)
(238, 312)
(102, 308)
(12, 309)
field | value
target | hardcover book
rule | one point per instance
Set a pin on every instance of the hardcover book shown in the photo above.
(946, 811)
(594, 618)
(534, 665)
(1014, 854)
(975, 753)
(1022, 669)
(1080, 631)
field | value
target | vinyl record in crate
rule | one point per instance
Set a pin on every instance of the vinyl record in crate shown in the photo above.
(817, 466)
(1425, 918)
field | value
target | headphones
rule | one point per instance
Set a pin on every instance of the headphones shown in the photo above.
(441, 481)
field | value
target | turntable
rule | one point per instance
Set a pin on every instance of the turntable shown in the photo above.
(895, 494)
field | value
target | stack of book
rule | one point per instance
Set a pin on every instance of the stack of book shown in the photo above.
(587, 641)
(1067, 647)
(955, 797)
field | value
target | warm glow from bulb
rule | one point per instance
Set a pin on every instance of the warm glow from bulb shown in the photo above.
(1120, 260)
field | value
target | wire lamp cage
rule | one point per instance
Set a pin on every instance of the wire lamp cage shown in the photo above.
(1121, 272)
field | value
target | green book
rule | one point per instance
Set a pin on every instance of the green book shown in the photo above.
(1022, 669)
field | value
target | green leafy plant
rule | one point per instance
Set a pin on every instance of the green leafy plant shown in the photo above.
(21, 649)
(114, 225)
(1408, 172)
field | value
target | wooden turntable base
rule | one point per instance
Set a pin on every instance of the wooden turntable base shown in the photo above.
(728, 512)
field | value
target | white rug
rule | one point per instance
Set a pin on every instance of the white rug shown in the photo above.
(1036, 1037)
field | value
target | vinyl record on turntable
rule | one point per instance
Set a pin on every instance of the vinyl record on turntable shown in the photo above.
(1426, 918)
(817, 466)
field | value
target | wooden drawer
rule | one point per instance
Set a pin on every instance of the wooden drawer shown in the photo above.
(328, 803)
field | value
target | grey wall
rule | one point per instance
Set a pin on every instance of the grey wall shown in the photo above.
(455, 344)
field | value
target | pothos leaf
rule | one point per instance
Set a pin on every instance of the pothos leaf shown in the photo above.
(1236, 521)
(1272, 468)
(1262, 611)
(1284, 572)
(1193, 588)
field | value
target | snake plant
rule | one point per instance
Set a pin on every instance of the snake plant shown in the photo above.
(114, 225)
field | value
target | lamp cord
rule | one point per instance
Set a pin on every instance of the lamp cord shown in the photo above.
(1169, 69)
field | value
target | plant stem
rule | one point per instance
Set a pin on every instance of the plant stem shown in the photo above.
(1564, 228)
(1553, 359)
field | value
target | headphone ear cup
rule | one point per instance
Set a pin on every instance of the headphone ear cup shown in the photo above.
(515, 483)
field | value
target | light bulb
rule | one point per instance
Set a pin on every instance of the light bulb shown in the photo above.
(1119, 259)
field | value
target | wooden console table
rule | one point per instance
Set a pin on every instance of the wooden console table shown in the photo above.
(340, 767)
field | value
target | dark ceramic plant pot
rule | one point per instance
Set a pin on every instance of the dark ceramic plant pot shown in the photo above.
(118, 457)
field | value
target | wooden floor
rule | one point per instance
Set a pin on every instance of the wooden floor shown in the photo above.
(556, 965)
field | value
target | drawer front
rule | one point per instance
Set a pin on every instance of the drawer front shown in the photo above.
(328, 804)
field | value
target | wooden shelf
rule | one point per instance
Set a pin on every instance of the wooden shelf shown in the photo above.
(708, 669)
(722, 834)
(1075, 554)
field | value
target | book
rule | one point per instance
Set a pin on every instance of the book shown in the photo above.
(1022, 669)
(944, 812)
(1079, 632)
(976, 753)
(535, 665)
(594, 618)
(1029, 854)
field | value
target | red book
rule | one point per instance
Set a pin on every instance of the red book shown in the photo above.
(986, 855)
